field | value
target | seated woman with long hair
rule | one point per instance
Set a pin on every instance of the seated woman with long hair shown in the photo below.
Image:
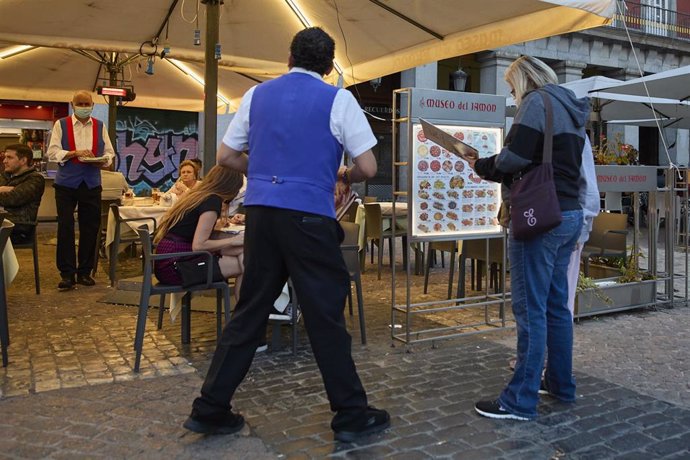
(188, 226)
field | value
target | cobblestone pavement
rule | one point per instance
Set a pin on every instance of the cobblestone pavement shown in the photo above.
(69, 390)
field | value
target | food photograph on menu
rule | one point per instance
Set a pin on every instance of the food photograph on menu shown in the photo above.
(448, 197)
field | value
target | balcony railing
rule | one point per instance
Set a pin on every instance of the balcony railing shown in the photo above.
(653, 20)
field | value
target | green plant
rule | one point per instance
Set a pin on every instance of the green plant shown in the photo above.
(631, 273)
(615, 152)
(584, 283)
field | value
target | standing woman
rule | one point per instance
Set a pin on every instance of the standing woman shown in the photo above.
(189, 178)
(188, 226)
(538, 266)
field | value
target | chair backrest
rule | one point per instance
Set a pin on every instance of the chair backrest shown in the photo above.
(370, 199)
(447, 246)
(601, 237)
(349, 246)
(146, 250)
(373, 220)
(351, 213)
(115, 208)
(476, 249)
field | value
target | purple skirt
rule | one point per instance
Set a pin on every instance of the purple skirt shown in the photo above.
(165, 269)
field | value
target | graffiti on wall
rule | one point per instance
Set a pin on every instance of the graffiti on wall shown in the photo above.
(152, 143)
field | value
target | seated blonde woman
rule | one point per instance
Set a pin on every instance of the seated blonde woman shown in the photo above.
(189, 178)
(188, 226)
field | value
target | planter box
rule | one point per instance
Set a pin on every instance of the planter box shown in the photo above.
(622, 297)
(598, 272)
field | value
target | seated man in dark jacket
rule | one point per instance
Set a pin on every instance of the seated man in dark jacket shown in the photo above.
(21, 188)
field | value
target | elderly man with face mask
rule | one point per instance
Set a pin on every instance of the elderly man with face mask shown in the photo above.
(76, 144)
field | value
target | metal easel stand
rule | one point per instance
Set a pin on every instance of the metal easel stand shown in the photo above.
(410, 323)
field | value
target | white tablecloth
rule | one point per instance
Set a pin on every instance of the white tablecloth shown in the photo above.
(129, 212)
(10, 263)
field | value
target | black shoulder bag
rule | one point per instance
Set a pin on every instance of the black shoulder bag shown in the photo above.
(534, 207)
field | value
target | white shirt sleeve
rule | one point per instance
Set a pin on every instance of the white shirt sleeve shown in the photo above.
(108, 151)
(55, 150)
(349, 124)
(237, 135)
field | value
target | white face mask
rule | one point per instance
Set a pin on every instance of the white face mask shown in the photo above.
(83, 112)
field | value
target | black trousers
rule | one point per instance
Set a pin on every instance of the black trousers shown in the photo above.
(89, 215)
(306, 247)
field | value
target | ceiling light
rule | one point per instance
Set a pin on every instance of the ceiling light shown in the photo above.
(185, 69)
(15, 50)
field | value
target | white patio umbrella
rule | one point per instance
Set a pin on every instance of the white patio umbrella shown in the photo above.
(373, 37)
(670, 84)
(632, 109)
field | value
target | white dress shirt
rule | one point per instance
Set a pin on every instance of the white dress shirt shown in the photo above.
(83, 140)
(348, 123)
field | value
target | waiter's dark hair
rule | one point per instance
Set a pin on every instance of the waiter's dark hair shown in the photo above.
(313, 49)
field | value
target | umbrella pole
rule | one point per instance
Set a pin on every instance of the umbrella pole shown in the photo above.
(112, 113)
(211, 82)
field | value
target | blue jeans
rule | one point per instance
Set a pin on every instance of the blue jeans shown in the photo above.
(539, 286)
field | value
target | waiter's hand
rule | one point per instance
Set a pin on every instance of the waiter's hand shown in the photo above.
(83, 153)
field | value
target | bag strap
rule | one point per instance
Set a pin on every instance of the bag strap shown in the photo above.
(548, 130)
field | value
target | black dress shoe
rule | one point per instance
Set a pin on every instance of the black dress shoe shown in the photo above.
(371, 421)
(66, 284)
(228, 424)
(86, 280)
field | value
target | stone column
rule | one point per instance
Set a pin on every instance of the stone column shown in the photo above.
(492, 69)
(424, 76)
(569, 70)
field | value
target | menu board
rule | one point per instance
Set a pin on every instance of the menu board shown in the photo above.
(448, 198)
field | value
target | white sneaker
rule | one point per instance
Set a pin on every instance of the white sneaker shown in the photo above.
(284, 316)
(261, 348)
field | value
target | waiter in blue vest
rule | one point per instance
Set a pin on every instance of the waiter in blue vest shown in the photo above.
(295, 129)
(75, 141)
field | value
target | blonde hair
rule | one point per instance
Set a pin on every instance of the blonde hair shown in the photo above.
(194, 166)
(528, 73)
(220, 180)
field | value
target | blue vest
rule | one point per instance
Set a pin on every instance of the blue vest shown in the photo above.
(293, 156)
(72, 173)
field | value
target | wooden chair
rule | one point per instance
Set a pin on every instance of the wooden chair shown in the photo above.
(370, 199)
(118, 239)
(350, 250)
(4, 322)
(151, 287)
(608, 238)
(377, 234)
(33, 245)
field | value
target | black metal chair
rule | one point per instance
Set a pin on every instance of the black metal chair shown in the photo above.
(350, 250)
(100, 243)
(4, 322)
(118, 239)
(151, 287)
(33, 245)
